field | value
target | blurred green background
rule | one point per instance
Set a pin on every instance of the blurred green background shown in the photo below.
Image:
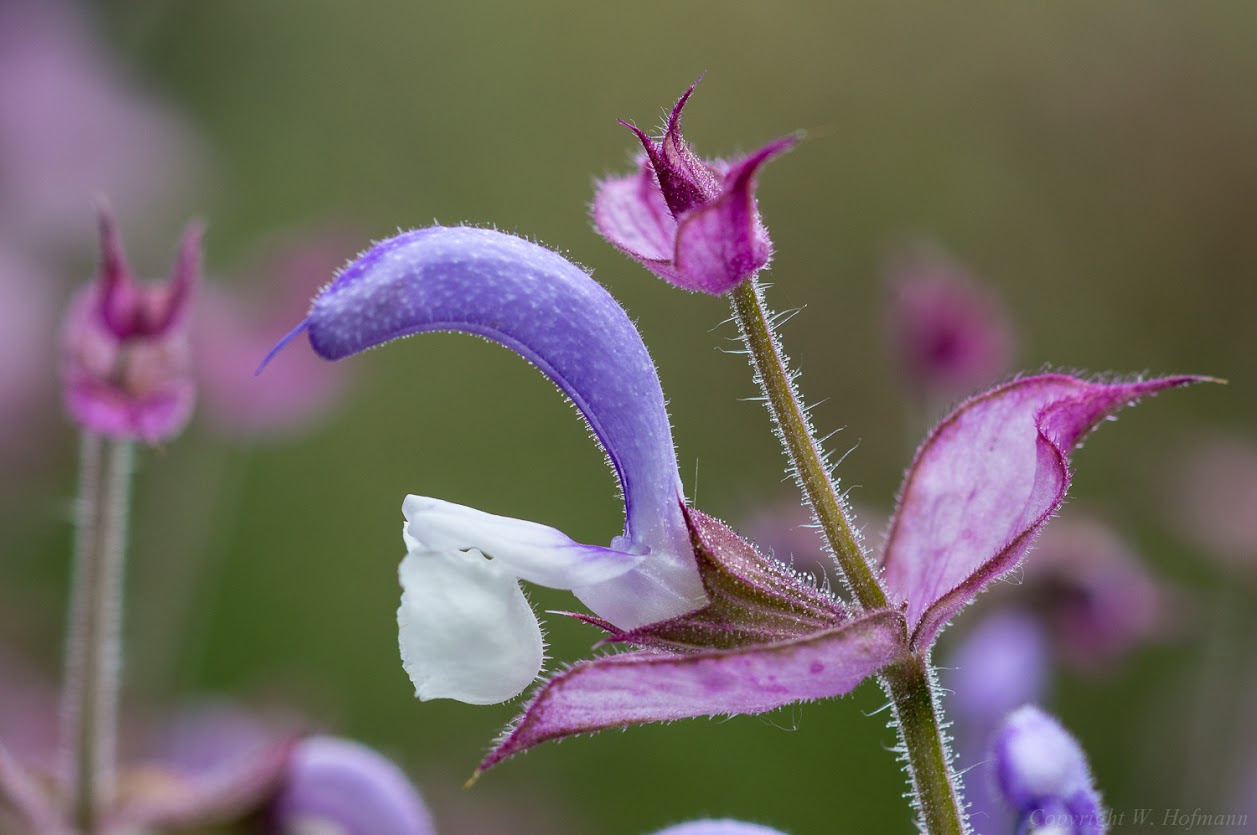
(1097, 163)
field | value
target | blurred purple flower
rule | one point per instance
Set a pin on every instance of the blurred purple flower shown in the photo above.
(691, 222)
(949, 336)
(1043, 776)
(210, 765)
(999, 665)
(70, 126)
(234, 326)
(1094, 594)
(715, 627)
(1213, 499)
(336, 785)
(125, 354)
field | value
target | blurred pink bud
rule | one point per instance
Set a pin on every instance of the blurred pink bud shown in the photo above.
(1095, 596)
(949, 336)
(125, 358)
(236, 326)
(1214, 499)
(70, 126)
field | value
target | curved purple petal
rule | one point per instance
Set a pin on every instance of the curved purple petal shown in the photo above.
(645, 686)
(549, 311)
(984, 483)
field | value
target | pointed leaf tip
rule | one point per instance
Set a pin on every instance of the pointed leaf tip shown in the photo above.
(985, 482)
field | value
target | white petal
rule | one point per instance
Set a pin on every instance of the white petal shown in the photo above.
(465, 629)
(530, 551)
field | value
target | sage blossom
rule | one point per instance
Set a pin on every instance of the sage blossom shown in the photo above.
(712, 626)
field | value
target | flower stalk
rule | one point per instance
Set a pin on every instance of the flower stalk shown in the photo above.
(925, 751)
(93, 645)
(795, 432)
(908, 683)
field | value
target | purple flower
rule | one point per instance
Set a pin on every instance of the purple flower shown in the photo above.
(125, 359)
(336, 785)
(235, 324)
(675, 580)
(714, 627)
(691, 222)
(949, 336)
(999, 665)
(1043, 776)
(1002, 663)
(211, 765)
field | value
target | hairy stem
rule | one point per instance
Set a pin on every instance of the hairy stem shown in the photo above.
(909, 682)
(90, 697)
(795, 432)
(912, 693)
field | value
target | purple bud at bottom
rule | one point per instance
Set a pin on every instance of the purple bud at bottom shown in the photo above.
(1042, 774)
(338, 787)
(723, 826)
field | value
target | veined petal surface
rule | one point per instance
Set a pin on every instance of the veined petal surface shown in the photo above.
(632, 688)
(984, 483)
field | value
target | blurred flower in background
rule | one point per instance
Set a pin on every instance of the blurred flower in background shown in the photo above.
(125, 356)
(948, 335)
(73, 124)
(235, 326)
(1094, 595)
(1212, 499)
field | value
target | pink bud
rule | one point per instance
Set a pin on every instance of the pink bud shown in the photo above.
(125, 357)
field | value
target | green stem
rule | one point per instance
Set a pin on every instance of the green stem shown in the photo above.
(795, 433)
(909, 682)
(911, 690)
(93, 645)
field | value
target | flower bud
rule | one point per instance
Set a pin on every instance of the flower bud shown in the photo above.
(125, 359)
